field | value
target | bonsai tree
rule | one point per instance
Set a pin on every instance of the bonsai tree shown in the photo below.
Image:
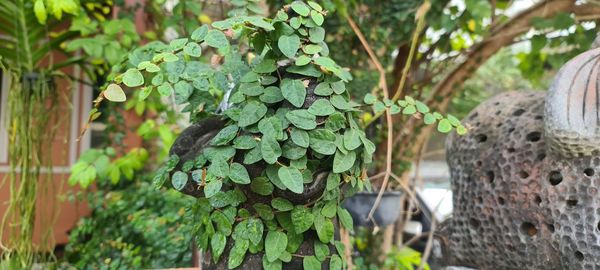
(276, 145)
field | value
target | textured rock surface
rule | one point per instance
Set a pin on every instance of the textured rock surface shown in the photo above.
(518, 205)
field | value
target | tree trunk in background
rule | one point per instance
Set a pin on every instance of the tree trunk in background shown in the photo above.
(500, 36)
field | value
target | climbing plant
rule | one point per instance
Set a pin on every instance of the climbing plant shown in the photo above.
(286, 110)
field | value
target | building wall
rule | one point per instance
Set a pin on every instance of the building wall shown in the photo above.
(55, 206)
(65, 150)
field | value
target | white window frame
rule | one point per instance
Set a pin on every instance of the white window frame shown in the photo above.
(78, 119)
(3, 119)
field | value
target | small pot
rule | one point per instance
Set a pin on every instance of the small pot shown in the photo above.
(386, 213)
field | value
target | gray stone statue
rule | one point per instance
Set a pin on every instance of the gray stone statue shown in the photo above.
(525, 179)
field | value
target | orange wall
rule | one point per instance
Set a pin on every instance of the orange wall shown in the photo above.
(65, 149)
(52, 203)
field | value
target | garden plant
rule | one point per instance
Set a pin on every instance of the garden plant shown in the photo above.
(288, 126)
(281, 131)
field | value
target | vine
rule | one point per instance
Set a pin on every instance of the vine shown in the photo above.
(286, 111)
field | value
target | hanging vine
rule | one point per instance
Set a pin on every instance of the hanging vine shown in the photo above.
(26, 57)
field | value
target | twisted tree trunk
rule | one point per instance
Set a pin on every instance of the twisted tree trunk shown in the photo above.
(501, 36)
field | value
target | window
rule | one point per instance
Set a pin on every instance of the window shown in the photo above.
(3, 125)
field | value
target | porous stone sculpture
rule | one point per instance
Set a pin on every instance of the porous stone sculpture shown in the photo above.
(525, 179)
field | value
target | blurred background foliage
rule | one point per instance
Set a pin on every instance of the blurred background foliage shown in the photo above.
(134, 227)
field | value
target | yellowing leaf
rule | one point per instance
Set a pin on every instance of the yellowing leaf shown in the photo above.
(471, 25)
(114, 93)
(204, 19)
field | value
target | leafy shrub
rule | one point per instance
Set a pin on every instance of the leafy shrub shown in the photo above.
(133, 228)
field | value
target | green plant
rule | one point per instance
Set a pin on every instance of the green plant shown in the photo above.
(137, 227)
(96, 164)
(290, 111)
(397, 259)
(26, 56)
(404, 259)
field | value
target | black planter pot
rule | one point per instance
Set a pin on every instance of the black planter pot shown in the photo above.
(360, 205)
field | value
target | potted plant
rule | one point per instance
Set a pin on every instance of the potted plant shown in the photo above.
(275, 146)
(384, 214)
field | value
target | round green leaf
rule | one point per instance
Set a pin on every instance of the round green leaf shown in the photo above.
(302, 60)
(317, 17)
(335, 262)
(219, 167)
(276, 265)
(177, 44)
(271, 127)
(238, 174)
(322, 141)
(345, 218)
(421, 107)
(312, 49)
(324, 228)
(410, 109)
(183, 91)
(289, 45)
(292, 151)
(302, 219)
(321, 107)
(340, 102)
(200, 33)
(429, 119)
(343, 162)
(292, 179)
(300, 8)
(275, 244)
(244, 142)
(179, 179)
(252, 112)
(264, 211)
(255, 230)
(296, 22)
(311, 263)
(261, 186)
(212, 188)
(216, 39)
(225, 135)
(321, 251)
(272, 94)
(133, 77)
(299, 137)
(270, 149)
(294, 91)
(315, 6)
(192, 49)
(444, 126)
(316, 34)
(282, 204)
(217, 245)
(252, 89)
(237, 253)
(165, 89)
(351, 139)
(302, 119)
(323, 89)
